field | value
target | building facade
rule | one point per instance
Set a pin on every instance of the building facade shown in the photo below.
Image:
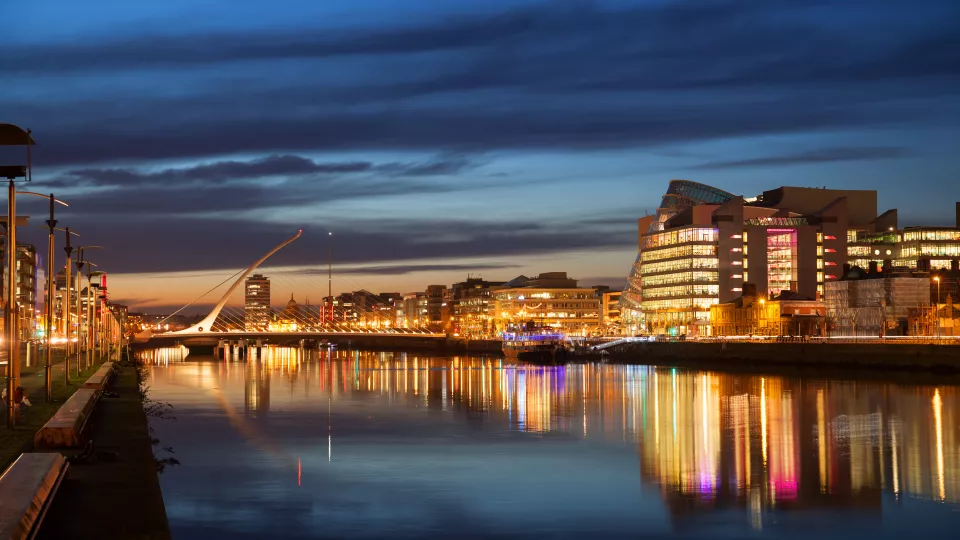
(412, 313)
(550, 299)
(610, 311)
(472, 307)
(27, 266)
(704, 244)
(256, 304)
(875, 302)
(788, 314)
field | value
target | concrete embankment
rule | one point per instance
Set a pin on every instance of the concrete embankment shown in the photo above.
(371, 342)
(115, 492)
(867, 356)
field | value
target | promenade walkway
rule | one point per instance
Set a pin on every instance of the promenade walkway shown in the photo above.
(116, 493)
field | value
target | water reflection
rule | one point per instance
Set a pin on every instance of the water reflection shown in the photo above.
(706, 441)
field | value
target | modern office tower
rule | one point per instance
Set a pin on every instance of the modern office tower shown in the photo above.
(256, 305)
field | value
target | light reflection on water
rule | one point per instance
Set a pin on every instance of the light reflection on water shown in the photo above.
(362, 444)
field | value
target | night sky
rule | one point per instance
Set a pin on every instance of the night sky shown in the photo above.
(437, 138)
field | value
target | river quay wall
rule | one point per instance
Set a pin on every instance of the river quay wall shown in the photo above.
(878, 356)
(373, 342)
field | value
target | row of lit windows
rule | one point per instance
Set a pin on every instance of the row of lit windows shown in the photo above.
(549, 305)
(678, 303)
(514, 295)
(934, 234)
(678, 277)
(679, 251)
(681, 290)
(678, 265)
(679, 236)
(935, 250)
(858, 251)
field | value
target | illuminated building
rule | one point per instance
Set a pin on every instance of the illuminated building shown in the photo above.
(472, 306)
(256, 305)
(435, 295)
(413, 310)
(874, 302)
(610, 310)
(550, 299)
(27, 263)
(784, 315)
(705, 243)
(135, 323)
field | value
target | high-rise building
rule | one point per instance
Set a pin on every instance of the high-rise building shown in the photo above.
(256, 305)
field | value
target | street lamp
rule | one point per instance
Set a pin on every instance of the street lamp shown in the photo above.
(51, 285)
(80, 263)
(937, 309)
(330, 272)
(11, 135)
(93, 326)
(66, 300)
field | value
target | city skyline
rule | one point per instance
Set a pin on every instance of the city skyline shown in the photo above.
(437, 140)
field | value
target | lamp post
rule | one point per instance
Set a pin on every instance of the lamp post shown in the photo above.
(330, 273)
(91, 313)
(80, 327)
(66, 302)
(11, 135)
(51, 285)
(936, 310)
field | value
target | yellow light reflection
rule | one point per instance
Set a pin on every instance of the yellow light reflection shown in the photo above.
(938, 420)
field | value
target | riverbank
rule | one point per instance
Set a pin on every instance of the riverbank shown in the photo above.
(117, 493)
(20, 439)
(940, 359)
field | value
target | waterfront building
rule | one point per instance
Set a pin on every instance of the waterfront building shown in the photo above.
(256, 305)
(434, 316)
(550, 299)
(413, 312)
(787, 314)
(941, 320)
(361, 308)
(472, 306)
(610, 311)
(135, 323)
(27, 266)
(704, 244)
(289, 320)
(875, 302)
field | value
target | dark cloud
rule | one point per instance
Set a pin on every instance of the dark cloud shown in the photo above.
(823, 155)
(191, 243)
(220, 172)
(548, 76)
(399, 269)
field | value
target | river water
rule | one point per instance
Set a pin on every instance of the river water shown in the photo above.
(394, 445)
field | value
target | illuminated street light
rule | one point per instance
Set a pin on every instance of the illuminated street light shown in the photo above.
(51, 285)
(80, 263)
(11, 135)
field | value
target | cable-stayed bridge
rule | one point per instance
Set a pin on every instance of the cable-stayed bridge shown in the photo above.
(233, 320)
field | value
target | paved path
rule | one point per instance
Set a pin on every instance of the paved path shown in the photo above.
(117, 495)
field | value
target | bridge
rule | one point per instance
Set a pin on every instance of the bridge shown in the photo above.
(222, 328)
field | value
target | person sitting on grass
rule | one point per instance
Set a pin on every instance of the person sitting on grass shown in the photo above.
(19, 399)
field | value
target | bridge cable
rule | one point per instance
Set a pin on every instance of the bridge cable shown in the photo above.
(201, 296)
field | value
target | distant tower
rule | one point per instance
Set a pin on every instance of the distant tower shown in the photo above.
(256, 306)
